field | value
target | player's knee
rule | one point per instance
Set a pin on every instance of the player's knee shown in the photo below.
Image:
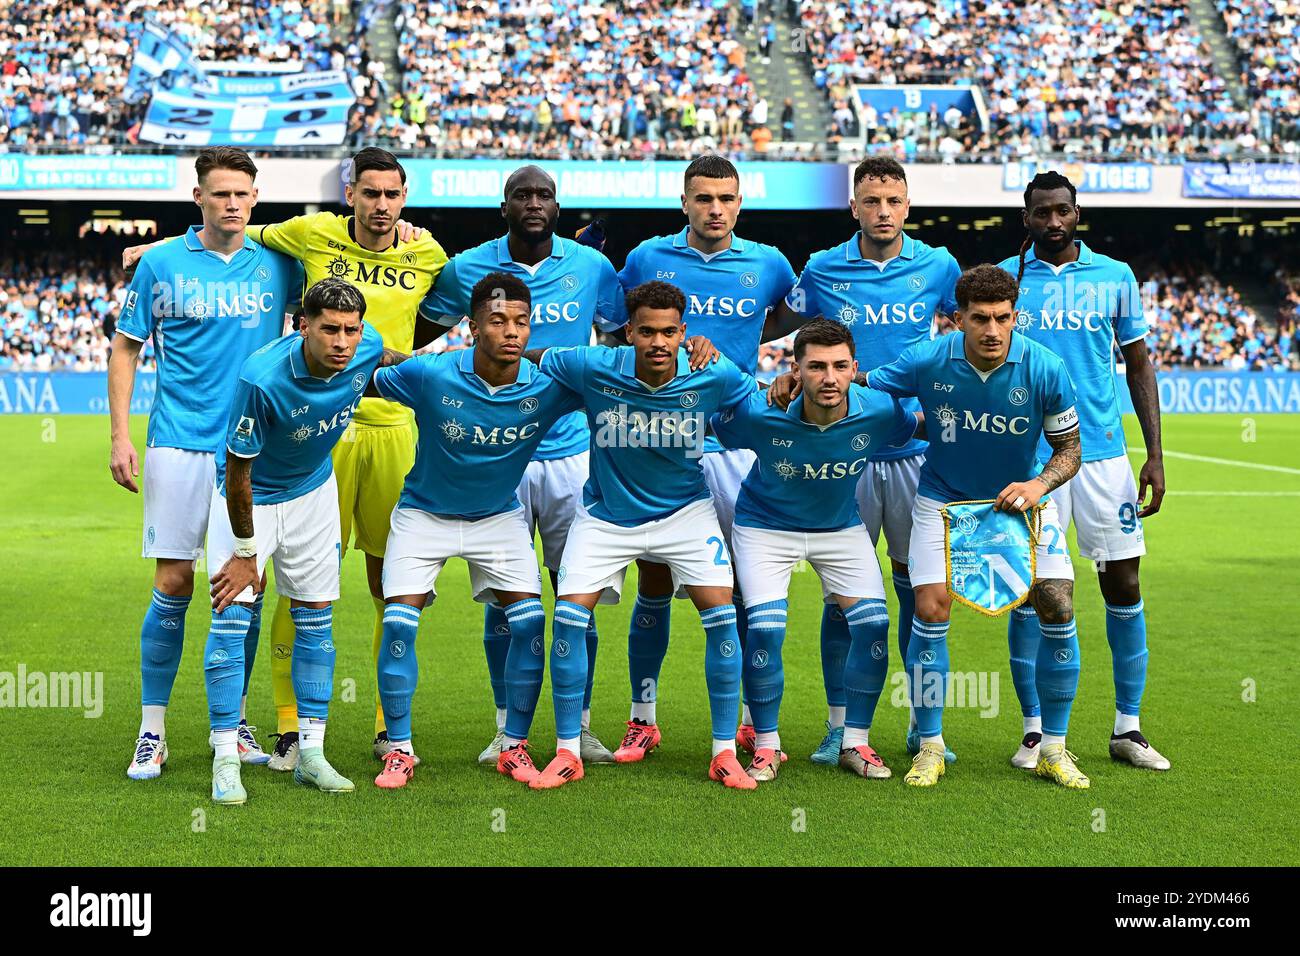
(1120, 585)
(174, 578)
(1054, 601)
(933, 604)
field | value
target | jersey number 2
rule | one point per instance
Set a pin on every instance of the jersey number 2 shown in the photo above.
(720, 557)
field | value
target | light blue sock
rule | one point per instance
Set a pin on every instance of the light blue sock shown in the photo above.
(1126, 632)
(867, 663)
(496, 645)
(525, 665)
(906, 610)
(398, 669)
(1058, 674)
(250, 642)
(835, 651)
(569, 666)
(223, 665)
(593, 641)
(1023, 637)
(313, 660)
(742, 637)
(927, 674)
(764, 673)
(162, 635)
(647, 643)
(722, 667)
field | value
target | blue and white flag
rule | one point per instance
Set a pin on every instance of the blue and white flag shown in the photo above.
(302, 109)
(163, 59)
(990, 555)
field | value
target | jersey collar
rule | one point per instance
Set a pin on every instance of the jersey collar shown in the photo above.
(1014, 354)
(1085, 255)
(298, 364)
(627, 367)
(193, 244)
(853, 252)
(352, 234)
(738, 245)
(795, 411)
(466, 365)
(558, 249)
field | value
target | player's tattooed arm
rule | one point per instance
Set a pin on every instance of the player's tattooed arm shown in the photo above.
(387, 357)
(238, 573)
(1141, 377)
(1067, 454)
(1053, 599)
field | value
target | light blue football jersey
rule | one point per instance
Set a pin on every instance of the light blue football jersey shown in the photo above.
(983, 427)
(805, 477)
(728, 293)
(475, 440)
(290, 420)
(206, 315)
(1079, 311)
(888, 307)
(572, 289)
(646, 443)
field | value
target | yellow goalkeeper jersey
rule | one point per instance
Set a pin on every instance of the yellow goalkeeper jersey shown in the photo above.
(393, 281)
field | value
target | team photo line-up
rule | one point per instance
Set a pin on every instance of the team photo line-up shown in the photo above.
(267, 448)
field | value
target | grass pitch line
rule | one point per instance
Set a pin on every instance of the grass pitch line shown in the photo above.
(1234, 494)
(1221, 461)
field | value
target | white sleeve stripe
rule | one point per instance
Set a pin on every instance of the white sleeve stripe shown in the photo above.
(238, 455)
(133, 338)
(1136, 338)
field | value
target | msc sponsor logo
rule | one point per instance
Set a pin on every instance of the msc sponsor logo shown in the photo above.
(986, 422)
(547, 312)
(721, 305)
(452, 430)
(372, 273)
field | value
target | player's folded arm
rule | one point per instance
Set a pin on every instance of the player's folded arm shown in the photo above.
(1062, 432)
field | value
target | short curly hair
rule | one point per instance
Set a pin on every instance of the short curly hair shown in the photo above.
(986, 283)
(656, 295)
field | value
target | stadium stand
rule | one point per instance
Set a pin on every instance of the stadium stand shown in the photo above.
(1264, 32)
(564, 79)
(63, 64)
(1109, 79)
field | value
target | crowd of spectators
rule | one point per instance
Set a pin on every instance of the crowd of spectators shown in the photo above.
(1114, 78)
(64, 63)
(568, 79)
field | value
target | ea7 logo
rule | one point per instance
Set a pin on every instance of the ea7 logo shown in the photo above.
(840, 286)
(782, 443)
(664, 275)
(300, 411)
(615, 392)
(942, 387)
(453, 402)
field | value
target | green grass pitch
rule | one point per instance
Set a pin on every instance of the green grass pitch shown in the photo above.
(1221, 602)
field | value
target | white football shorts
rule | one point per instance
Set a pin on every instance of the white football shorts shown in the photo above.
(886, 494)
(550, 493)
(498, 550)
(844, 560)
(689, 541)
(927, 564)
(301, 536)
(723, 473)
(179, 487)
(1101, 501)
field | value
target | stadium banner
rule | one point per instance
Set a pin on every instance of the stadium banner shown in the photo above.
(87, 172)
(81, 393)
(1087, 177)
(297, 110)
(67, 393)
(163, 58)
(914, 98)
(1241, 180)
(624, 185)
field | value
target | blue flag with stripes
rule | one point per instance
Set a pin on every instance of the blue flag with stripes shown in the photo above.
(163, 58)
(990, 555)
